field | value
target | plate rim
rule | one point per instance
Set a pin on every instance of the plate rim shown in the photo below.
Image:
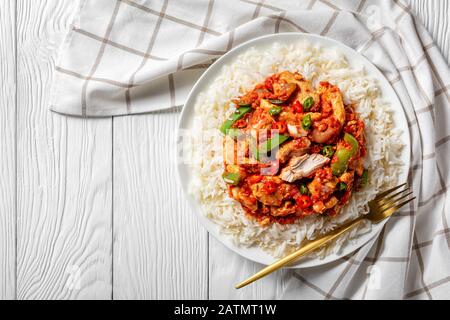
(211, 227)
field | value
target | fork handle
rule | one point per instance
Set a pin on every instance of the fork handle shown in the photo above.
(304, 250)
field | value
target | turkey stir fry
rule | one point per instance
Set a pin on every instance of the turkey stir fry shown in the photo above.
(292, 150)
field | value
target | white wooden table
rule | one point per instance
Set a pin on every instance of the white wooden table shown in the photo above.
(91, 208)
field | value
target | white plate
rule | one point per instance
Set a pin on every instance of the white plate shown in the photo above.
(355, 59)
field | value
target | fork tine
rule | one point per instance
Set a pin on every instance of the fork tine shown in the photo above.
(389, 204)
(388, 192)
(386, 199)
(393, 209)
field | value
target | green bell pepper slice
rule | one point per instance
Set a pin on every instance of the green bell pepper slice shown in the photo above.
(232, 178)
(364, 179)
(276, 101)
(236, 116)
(264, 148)
(343, 155)
(275, 111)
(244, 105)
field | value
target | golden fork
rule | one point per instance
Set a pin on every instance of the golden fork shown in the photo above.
(381, 208)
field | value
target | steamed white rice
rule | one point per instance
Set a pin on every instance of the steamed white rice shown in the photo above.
(316, 64)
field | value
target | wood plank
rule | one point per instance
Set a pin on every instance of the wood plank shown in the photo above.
(228, 269)
(64, 173)
(160, 251)
(435, 15)
(64, 186)
(7, 150)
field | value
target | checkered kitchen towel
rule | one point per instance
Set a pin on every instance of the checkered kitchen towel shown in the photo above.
(136, 56)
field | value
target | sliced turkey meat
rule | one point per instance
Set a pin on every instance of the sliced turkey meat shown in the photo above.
(302, 167)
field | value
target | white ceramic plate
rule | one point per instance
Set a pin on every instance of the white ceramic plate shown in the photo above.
(355, 59)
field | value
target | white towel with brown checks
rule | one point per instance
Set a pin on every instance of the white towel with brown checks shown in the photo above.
(139, 56)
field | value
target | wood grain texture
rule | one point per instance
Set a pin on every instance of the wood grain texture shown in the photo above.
(160, 250)
(64, 173)
(7, 149)
(228, 269)
(435, 16)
